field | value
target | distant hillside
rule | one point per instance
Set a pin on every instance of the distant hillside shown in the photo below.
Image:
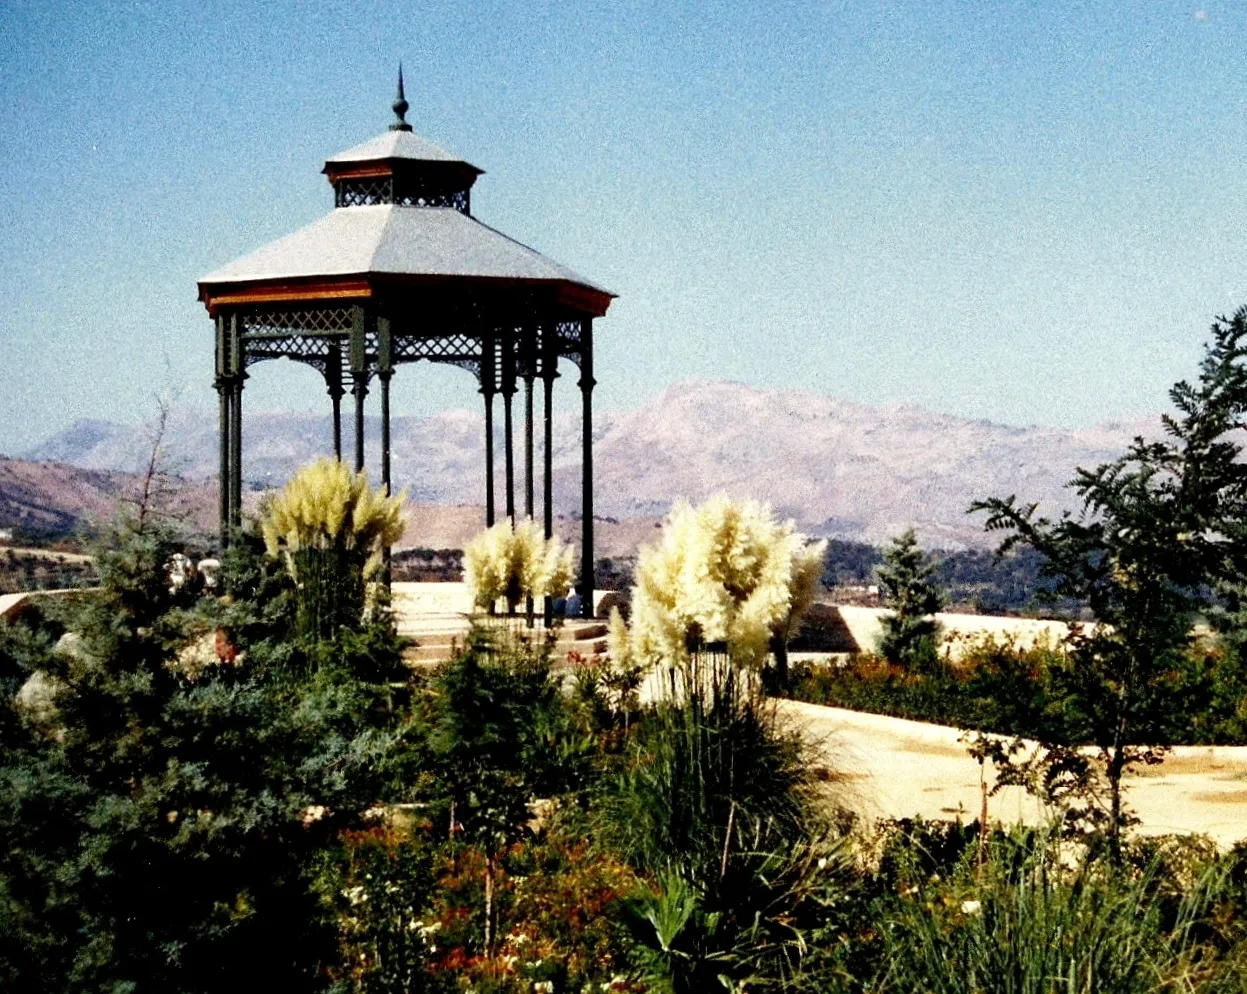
(841, 469)
(45, 501)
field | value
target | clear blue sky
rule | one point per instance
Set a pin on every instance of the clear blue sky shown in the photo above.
(1027, 212)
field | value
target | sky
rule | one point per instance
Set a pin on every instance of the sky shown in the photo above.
(1027, 212)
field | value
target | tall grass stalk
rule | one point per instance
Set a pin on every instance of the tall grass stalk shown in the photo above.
(715, 806)
(1036, 926)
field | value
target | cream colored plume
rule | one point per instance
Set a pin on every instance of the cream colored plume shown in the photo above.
(516, 562)
(326, 506)
(724, 572)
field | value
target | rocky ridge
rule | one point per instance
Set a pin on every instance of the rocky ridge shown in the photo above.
(840, 469)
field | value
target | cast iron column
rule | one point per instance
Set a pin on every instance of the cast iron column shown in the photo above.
(549, 370)
(359, 379)
(238, 369)
(333, 380)
(586, 492)
(508, 391)
(223, 387)
(530, 371)
(385, 369)
(489, 386)
(528, 348)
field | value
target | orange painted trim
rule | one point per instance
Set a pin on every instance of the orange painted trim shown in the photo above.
(583, 298)
(366, 170)
(284, 293)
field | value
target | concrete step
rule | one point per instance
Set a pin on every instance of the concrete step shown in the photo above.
(442, 631)
(426, 653)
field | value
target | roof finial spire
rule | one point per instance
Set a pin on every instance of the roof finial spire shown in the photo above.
(400, 106)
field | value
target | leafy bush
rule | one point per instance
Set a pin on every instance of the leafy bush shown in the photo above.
(1002, 688)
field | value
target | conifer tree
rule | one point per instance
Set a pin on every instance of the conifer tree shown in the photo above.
(164, 806)
(909, 632)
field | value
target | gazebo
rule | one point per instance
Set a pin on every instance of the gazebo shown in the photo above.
(400, 271)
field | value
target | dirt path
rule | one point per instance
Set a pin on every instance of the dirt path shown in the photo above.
(892, 768)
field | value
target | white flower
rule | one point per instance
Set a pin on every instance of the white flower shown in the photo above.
(971, 907)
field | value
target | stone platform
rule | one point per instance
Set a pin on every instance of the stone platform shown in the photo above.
(437, 617)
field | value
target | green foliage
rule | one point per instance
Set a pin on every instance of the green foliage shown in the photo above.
(909, 632)
(379, 882)
(1026, 921)
(986, 583)
(24, 570)
(715, 805)
(491, 703)
(163, 826)
(1005, 689)
(1160, 527)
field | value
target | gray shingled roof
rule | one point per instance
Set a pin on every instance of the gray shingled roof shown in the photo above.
(386, 238)
(397, 145)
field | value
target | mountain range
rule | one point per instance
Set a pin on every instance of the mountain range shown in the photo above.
(840, 469)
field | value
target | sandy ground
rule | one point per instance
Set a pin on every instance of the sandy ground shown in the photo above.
(892, 768)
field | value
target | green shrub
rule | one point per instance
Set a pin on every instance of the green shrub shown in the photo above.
(1001, 688)
(1026, 921)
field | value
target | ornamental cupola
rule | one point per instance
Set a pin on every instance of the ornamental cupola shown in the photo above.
(399, 167)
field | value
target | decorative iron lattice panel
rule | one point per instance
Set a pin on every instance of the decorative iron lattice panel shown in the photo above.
(458, 199)
(567, 338)
(360, 192)
(308, 336)
(310, 321)
(445, 348)
(316, 352)
(387, 190)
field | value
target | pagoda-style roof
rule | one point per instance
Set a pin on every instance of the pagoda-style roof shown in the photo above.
(397, 145)
(389, 240)
(402, 215)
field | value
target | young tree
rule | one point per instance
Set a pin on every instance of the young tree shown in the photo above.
(909, 632)
(489, 708)
(1159, 527)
